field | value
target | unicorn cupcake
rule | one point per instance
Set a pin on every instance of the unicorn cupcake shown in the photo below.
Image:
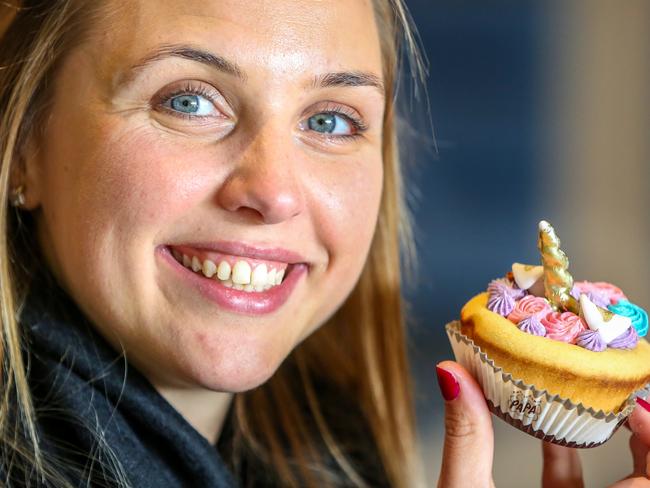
(559, 360)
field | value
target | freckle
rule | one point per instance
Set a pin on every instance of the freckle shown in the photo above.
(201, 336)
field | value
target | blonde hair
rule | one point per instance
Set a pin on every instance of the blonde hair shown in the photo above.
(360, 351)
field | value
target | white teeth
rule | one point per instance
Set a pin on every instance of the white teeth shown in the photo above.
(279, 276)
(223, 273)
(239, 277)
(241, 273)
(209, 268)
(270, 278)
(259, 276)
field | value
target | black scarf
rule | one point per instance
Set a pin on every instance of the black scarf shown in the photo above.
(87, 397)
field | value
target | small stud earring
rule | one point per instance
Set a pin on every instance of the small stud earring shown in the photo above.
(17, 196)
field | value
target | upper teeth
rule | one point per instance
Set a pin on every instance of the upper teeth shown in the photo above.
(209, 268)
(223, 272)
(259, 276)
(241, 273)
(240, 276)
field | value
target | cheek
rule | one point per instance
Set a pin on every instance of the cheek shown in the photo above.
(109, 196)
(146, 180)
(129, 183)
(357, 200)
(348, 205)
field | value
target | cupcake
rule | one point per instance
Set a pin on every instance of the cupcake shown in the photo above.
(559, 360)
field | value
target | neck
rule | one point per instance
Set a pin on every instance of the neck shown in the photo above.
(205, 410)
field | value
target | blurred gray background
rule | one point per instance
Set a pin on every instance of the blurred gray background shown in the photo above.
(540, 110)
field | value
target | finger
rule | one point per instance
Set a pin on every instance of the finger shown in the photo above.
(562, 468)
(632, 483)
(639, 421)
(469, 439)
(639, 456)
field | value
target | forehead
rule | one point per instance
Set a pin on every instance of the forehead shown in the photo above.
(283, 36)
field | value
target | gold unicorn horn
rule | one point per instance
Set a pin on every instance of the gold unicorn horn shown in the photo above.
(558, 282)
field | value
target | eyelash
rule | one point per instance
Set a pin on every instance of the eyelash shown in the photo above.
(188, 89)
(358, 125)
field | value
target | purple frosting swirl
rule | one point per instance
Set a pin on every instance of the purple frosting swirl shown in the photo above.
(532, 325)
(503, 285)
(500, 299)
(517, 293)
(627, 340)
(591, 340)
(599, 298)
(499, 283)
(501, 303)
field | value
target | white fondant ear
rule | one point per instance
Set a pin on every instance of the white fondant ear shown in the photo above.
(526, 275)
(609, 325)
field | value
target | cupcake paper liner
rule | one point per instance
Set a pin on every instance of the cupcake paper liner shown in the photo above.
(537, 412)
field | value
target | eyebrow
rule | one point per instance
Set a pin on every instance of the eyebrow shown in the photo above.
(180, 51)
(334, 79)
(349, 78)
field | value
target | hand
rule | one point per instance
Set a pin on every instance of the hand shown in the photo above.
(562, 465)
(469, 439)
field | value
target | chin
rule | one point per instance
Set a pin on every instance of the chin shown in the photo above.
(238, 381)
(236, 370)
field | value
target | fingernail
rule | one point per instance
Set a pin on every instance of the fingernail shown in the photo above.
(449, 386)
(643, 403)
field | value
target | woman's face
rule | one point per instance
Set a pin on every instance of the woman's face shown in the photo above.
(243, 138)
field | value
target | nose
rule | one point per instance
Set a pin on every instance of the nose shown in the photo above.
(264, 184)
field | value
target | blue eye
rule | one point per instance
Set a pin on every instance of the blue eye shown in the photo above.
(330, 123)
(191, 104)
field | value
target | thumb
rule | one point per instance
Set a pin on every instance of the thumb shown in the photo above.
(469, 439)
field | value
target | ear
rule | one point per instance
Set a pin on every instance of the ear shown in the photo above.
(26, 171)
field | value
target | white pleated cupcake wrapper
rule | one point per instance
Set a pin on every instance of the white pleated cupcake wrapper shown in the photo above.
(536, 412)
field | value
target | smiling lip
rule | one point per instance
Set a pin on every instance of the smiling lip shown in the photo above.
(249, 303)
(247, 251)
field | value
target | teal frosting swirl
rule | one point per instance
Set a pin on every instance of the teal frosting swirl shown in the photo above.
(638, 316)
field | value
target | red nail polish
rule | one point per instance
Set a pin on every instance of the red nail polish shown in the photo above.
(643, 403)
(449, 385)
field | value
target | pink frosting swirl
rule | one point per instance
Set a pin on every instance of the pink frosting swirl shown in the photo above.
(563, 326)
(614, 293)
(528, 306)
